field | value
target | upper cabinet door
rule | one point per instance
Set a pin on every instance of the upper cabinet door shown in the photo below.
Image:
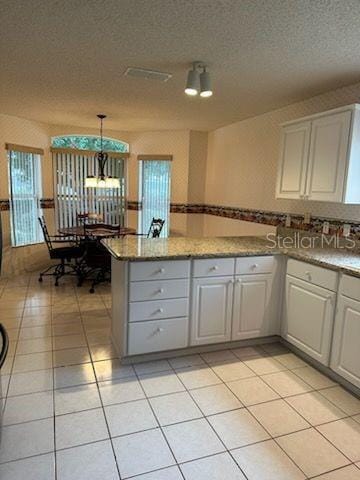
(294, 153)
(328, 157)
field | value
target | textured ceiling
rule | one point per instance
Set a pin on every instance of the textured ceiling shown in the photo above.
(63, 61)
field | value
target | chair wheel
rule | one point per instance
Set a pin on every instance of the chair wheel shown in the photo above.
(40, 279)
(92, 290)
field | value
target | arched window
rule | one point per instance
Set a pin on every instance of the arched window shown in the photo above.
(89, 142)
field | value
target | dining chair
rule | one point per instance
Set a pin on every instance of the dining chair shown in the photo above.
(155, 229)
(66, 255)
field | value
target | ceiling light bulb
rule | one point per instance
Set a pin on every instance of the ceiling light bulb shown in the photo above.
(192, 82)
(90, 182)
(205, 84)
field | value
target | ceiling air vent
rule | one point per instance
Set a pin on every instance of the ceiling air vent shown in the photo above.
(148, 74)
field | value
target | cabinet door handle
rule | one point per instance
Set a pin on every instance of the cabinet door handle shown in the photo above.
(230, 282)
(238, 280)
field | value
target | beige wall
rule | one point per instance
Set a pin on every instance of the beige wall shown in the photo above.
(242, 161)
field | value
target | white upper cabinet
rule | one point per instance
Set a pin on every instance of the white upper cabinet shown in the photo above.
(320, 157)
(295, 144)
(328, 157)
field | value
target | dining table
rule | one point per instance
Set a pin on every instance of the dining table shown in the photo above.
(101, 232)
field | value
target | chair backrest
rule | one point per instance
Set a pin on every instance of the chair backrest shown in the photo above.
(155, 227)
(45, 233)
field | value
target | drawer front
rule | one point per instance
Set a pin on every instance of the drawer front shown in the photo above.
(248, 265)
(155, 336)
(158, 290)
(350, 287)
(159, 270)
(311, 273)
(156, 309)
(214, 267)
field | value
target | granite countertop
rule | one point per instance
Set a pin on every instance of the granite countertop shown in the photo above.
(343, 260)
(134, 248)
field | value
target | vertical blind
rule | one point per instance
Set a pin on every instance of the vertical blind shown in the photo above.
(25, 193)
(155, 193)
(71, 167)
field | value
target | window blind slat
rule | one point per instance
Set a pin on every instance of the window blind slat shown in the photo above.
(72, 196)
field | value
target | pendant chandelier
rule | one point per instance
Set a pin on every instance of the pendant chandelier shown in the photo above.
(101, 181)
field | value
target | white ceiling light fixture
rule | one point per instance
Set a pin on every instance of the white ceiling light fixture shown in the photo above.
(192, 83)
(205, 83)
(195, 78)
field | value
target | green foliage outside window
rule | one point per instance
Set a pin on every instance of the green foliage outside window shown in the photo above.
(86, 142)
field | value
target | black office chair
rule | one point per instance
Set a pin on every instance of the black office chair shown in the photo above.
(65, 254)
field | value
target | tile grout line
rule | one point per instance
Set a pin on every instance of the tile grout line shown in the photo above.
(99, 394)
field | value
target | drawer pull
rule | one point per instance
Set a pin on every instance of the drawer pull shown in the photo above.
(255, 265)
(159, 330)
(308, 274)
(161, 270)
(215, 267)
(159, 310)
(161, 290)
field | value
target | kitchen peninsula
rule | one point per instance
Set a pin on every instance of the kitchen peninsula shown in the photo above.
(178, 294)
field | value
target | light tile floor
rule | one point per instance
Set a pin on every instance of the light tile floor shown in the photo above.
(72, 411)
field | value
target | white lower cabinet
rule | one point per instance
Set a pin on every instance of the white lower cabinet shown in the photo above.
(345, 355)
(155, 336)
(251, 308)
(308, 317)
(211, 310)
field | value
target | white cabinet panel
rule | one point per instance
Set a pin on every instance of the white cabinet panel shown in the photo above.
(293, 160)
(345, 356)
(211, 267)
(312, 273)
(249, 265)
(328, 157)
(155, 309)
(211, 310)
(156, 336)
(252, 310)
(159, 270)
(158, 289)
(309, 317)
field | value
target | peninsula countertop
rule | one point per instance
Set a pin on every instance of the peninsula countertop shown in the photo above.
(132, 248)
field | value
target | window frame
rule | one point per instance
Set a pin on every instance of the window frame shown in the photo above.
(35, 155)
(151, 159)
